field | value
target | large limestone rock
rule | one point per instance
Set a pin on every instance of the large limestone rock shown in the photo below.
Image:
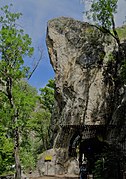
(56, 166)
(76, 52)
(85, 93)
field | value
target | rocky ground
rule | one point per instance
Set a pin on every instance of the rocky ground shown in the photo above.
(57, 177)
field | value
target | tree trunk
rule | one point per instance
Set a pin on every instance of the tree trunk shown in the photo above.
(15, 130)
(16, 154)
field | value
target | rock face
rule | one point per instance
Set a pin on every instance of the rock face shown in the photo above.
(76, 52)
(85, 93)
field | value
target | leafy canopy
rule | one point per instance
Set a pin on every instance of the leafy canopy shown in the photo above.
(47, 95)
(17, 98)
(14, 45)
(103, 12)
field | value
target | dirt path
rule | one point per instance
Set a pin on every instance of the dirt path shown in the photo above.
(57, 177)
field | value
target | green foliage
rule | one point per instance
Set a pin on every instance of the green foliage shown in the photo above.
(25, 98)
(28, 154)
(18, 98)
(40, 118)
(14, 45)
(98, 171)
(6, 152)
(24, 117)
(40, 124)
(109, 162)
(8, 18)
(47, 95)
(6, 142)
(102, 12)
(121, 32)
(27, 159)
(36, 137)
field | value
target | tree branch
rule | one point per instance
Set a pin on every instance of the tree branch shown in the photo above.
(104, 30)
(115, 32)
(115, 35)
(36, 64)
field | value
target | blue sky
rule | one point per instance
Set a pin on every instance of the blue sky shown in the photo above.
(36, 14)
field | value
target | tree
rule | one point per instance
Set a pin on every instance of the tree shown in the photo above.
(102, 12)
(14, 46)
(6, 151)
(40, 122)
(47, 95)
(25, 98)
(6, 143)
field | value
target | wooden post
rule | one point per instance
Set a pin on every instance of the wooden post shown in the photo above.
(47, 167)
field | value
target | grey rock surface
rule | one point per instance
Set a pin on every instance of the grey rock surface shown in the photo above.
(56, 166)
(77, 52)
(86, 92)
